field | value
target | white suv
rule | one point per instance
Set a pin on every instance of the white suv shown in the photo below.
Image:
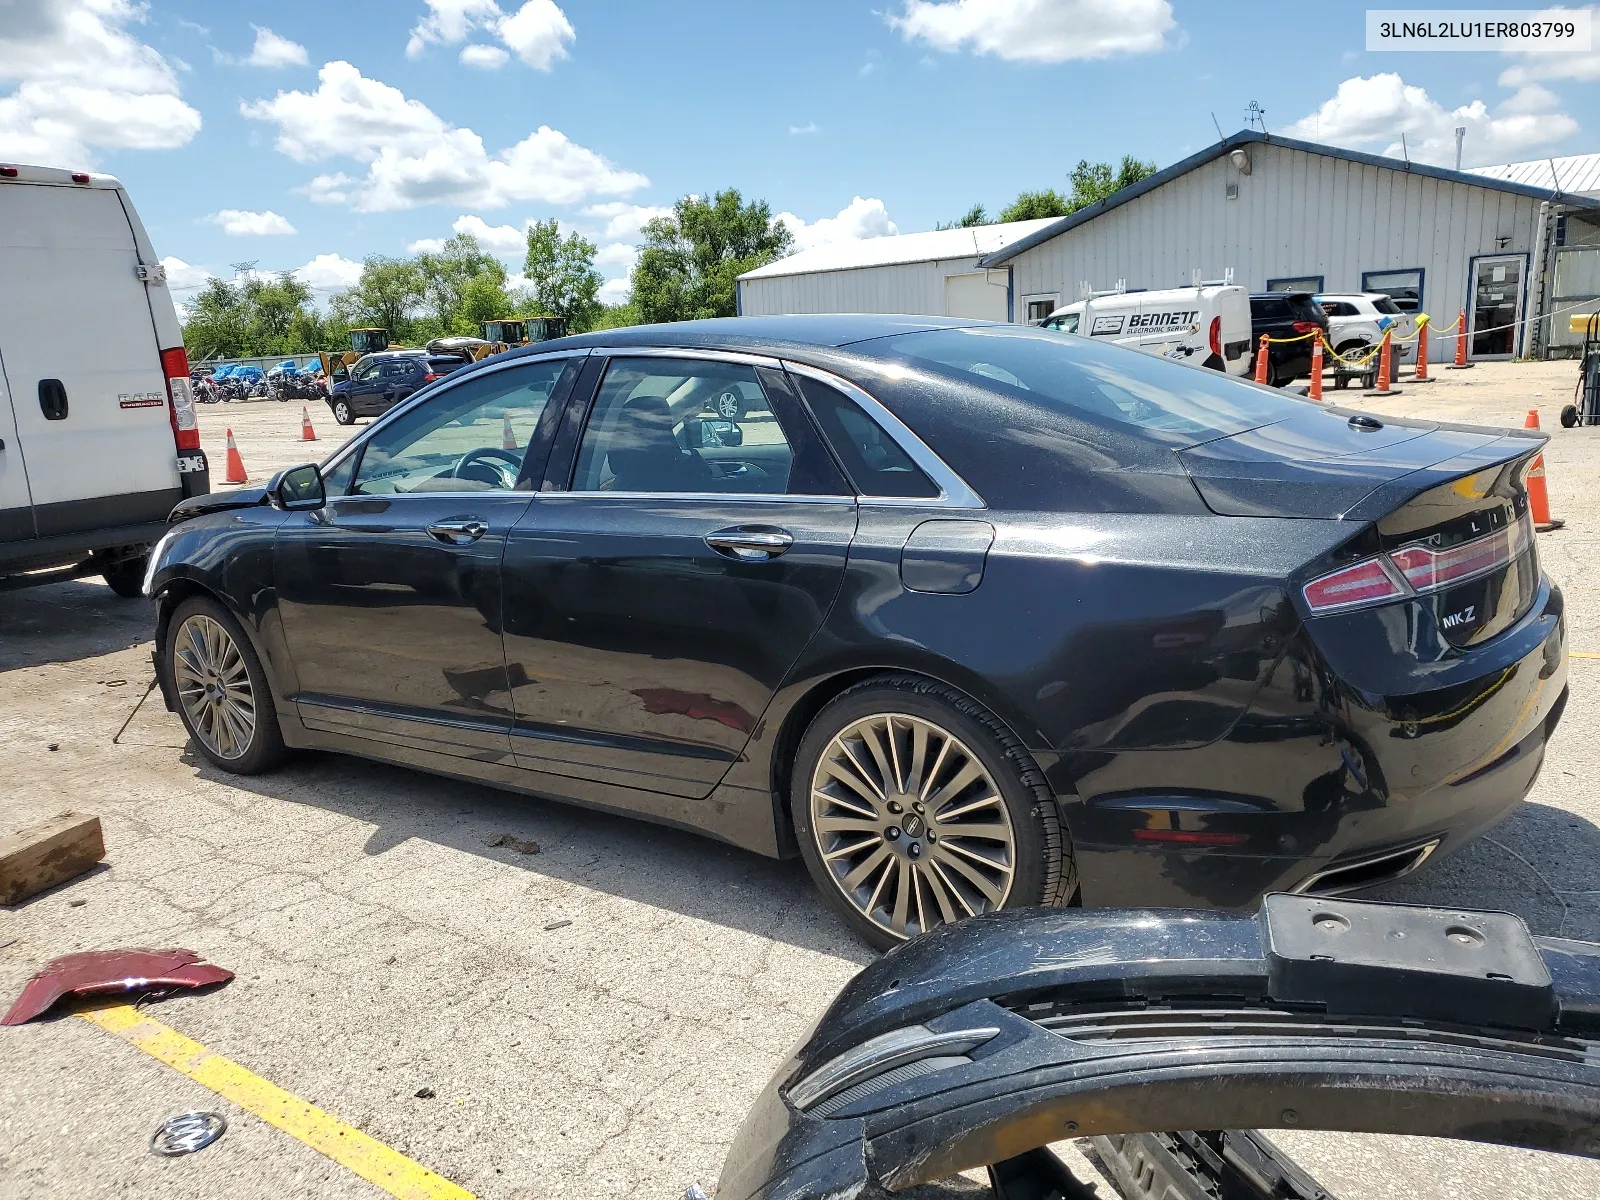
(1357, 320)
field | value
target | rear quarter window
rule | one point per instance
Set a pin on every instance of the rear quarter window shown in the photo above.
(1273, 309)
(1388, 307)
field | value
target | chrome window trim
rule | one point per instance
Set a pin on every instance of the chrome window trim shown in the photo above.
(424, 395)
(953, 490)
(740, 357)
(703, 497)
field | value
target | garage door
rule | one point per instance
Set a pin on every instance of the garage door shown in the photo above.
(980, 295)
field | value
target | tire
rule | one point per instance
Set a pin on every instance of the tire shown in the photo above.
(863, 867)
(343, 413)
(730, 406)
(1569, 416)
(205, 648)
(126, 578)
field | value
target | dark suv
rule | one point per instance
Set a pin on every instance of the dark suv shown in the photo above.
(380, 381)
(1285, 315)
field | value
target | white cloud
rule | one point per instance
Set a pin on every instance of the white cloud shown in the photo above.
(538, 32)
(1044, 31)
(1373, 112)
(1583, 66)
(1531, 99)
(484, 58)
(617, 258)
(84, 82)
(625, 220)
(414, 157)
(329, 273)
(271, 50)
(181, 277)
(860, 219)
(808, 127)
(237, 222)
(501, 239)
(615, 291)
(425, 246)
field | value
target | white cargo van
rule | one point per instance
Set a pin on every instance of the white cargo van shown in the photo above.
(1207, 326)
(98, 438)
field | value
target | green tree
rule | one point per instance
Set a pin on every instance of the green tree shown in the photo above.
(445, 274)
(976, 215)
(215, 320)
(1093, 182)
(389, 291)
(273, 306)
(616, 316)
(483, 298)
(691, 259)
(561, 275)
(1031, 206)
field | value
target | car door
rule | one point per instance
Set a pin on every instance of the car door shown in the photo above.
(365, 384)
(398, 378)
(390, 596)
(659, 593)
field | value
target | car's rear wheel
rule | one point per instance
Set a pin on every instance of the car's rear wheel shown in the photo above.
(126, 576)
(222, 691)
(914, 808)
(343, 413)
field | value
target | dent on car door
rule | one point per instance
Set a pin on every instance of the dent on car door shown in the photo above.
(654, 608)
(389, 597)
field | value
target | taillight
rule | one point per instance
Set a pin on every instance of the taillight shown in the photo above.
(1417, 570)
(80, 177)
(1216, 336)
(429, 377)
(185, 422)
(1305, 326)
(8, 172)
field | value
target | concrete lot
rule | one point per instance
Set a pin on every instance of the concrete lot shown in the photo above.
(384, 947)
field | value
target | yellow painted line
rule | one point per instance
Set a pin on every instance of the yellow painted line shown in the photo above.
(322, 1131)
(1582, 654)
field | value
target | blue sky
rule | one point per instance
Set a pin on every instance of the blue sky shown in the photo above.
(370, 127)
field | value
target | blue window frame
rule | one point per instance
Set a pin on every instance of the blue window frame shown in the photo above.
(1403, 285)
(1296, 283)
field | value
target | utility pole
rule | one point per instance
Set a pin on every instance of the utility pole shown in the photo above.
(1461, 135)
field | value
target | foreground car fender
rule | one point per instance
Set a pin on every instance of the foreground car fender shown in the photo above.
(986, 1040)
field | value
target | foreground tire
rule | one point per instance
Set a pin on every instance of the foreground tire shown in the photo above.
(914, 807)
(1569, 416)
(343, 413)
(126, 578)
(223, 696)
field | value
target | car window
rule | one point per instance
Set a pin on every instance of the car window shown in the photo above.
(468, 438)
(1271, 309)
(367, 372)
(1338, 308)
(1387, 306)
(875, 462)
(1066, 323)
(682, 425)
(1304, 308)
(1093, 380)
(397, 368)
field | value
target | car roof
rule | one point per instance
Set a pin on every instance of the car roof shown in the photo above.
(829, 330)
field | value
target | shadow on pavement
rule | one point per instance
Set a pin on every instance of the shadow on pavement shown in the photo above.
(67, 622)
(631, 859)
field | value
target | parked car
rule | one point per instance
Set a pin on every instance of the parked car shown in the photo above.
(969, 616)
(1284, 315)
(1357, 321)
(1207, 326)
(380, 381)
(98, 433)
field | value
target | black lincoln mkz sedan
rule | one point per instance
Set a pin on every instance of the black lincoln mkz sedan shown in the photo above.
(969, 616)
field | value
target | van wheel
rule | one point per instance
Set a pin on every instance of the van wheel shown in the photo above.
(914, 807)
(343, 413)
(126, 578)
(223, 696)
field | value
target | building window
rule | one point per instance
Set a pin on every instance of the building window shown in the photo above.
(1296, 283)
(1231, 191)
(1403, 287)
(1037, 308)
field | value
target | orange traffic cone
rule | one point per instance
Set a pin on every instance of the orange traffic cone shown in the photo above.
(1538, 494)
(1385, 368)
(307, 434)
(1421, 374)
(1461, 363)
(508, 438)
(1316, 368)
(236, 471)
(1261, 359)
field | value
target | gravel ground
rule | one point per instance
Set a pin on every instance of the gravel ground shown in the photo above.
(383, 946)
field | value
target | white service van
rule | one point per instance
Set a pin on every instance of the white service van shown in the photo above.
(1206, 326)
(98, 437)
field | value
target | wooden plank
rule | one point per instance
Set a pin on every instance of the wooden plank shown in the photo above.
(43, 856)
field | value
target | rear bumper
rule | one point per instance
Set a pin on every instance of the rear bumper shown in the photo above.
(1361, 791)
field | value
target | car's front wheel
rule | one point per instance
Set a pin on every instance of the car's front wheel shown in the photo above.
(914, 807)
(222, 691)
(343, 413)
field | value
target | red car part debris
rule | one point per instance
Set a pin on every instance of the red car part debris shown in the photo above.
(103, 972)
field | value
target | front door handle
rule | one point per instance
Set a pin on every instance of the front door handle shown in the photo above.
(750, 543)
(457, 533)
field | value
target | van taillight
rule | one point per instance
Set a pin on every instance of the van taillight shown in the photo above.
(1216, 336)
(180, 393)
(1417, 570)
(8, 172)
(1305, 326)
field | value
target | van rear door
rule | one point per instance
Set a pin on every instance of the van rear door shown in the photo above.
(81, 362)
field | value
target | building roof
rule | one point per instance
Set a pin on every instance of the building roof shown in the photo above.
(1246, 137)
(935, 246)
(1576, 174)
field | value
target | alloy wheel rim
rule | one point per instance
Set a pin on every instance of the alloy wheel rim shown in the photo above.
(214, 687)
(911, 825)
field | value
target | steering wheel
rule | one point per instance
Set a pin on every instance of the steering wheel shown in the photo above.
(513, 460)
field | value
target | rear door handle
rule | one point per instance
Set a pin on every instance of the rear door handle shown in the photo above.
(53, 399)
(457, 533)
(750, 543)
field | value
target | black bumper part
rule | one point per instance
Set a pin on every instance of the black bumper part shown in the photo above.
(1135, 1022)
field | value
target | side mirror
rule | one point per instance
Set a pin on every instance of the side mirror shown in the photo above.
(710, 434)
(298, 489)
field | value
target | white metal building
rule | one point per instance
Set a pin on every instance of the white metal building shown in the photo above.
(1292, 215)
(1574, 175)
(926, 274)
